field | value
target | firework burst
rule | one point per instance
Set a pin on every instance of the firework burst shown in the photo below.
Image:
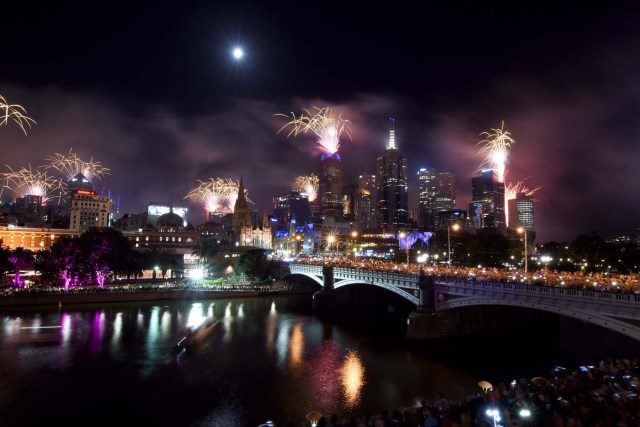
(70, 165)
(495, 148)
(308, 185)
(326, 125)
(217, 194)
(211, 193)
(14, 113)
(33, 182)
(513, 189)
(231, 190)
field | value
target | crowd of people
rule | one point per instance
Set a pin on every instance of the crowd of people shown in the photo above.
(605, 395)
(605, 282)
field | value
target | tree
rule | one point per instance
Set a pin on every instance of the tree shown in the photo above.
(105, 251)
(63, 260)
(5, 264)
(253, 264)
(20, 258)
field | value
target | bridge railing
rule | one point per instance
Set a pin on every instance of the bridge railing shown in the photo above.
(407, 280)
(623, 298)
(398, 279)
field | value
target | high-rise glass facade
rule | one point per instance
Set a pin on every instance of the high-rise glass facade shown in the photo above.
(393, 205)
(486, 209)
(436, 193)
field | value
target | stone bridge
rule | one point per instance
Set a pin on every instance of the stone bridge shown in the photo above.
(619, 312)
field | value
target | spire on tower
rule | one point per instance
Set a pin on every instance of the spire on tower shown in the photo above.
(392, 134)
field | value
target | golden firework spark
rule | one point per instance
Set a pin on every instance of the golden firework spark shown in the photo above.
(326, 125)
(211, 193)
(33, 182)
(70, 165)
(14, 113)
(231, 191)
(495, 147)
(308, 185)
(218, 194)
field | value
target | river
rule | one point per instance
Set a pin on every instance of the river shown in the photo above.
(268, 358)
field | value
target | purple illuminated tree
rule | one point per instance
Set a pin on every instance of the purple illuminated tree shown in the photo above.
(105, 251)
(63, 260)
(21, 258)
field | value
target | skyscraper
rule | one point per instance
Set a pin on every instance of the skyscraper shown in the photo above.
(292, 205)
(487, 204)
(521, 212)
(392, 180)
(330, 185)
(366, 201)
(436, 193)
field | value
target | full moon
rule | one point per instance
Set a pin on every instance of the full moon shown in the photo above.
(237, 53)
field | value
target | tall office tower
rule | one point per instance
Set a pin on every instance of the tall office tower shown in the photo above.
(393, 204)
(366, 216)
(292, 205)
(487, 201)
(521, 212)
(330, 185)
(436, 193)
(88, 209)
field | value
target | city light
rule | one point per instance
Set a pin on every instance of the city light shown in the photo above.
(494, 414)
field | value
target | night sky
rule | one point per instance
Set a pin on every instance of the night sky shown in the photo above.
(150, 90)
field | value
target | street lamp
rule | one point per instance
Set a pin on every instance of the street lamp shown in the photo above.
(455, 227)
(524, 230)
(331, 239)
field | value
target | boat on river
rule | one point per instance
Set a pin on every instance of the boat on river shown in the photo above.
(196, 334)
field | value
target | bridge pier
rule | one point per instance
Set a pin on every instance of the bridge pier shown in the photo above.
(425, 322)
(325, 298)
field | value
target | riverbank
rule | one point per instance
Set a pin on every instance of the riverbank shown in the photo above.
(136, 294)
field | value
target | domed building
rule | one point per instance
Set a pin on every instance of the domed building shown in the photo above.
(170, 222)
(170, 235)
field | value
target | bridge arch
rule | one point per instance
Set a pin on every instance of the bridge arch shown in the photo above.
(606, 322)
(396, 290)
(318, 280)
(614, 311)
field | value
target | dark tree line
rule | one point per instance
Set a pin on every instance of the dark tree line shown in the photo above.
(97, 255)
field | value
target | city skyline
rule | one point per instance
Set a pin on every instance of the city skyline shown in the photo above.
(161, 116)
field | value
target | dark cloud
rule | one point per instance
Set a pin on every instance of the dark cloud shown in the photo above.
(152, 95)
(585, 168)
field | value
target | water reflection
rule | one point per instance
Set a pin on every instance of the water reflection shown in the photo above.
(352, 376)
(269, 362)
(297, 346)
